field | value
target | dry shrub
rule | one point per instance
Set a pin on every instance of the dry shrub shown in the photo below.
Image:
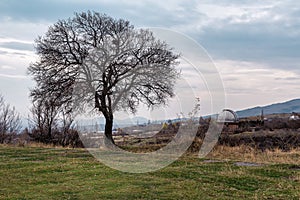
(282, 139)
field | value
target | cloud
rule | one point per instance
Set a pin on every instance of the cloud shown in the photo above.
(13, 40)
(14, 76)
(291, 78)
(17, 46)
(16, 92)
(250, 83)
(265, 32)
(2, 52)
(6, 67)
(18, 31)
(37, 10)
(14, 63)
(16, 51)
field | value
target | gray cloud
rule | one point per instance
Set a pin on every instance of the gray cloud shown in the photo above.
(14, 76)
(244, 43)
(17, 46)
(12, 53)
(3, 52)
(262, 34)
(234, 79)
(242, 91)
(247, 30)
(288, 79)
(36, 10)
(16, 92)
(42, 10)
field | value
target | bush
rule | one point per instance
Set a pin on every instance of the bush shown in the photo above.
(69, 138)
(263, 140)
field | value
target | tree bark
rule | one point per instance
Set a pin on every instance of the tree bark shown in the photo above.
(108, 139)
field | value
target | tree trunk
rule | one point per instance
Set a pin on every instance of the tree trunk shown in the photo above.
(108, 139)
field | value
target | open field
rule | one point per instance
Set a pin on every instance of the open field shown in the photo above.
(57, 173)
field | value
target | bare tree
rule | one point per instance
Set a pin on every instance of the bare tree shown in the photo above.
(10, 121)
(43, 120)
(51, 117)
(107, 63)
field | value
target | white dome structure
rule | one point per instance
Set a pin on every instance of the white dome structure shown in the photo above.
(228, 116)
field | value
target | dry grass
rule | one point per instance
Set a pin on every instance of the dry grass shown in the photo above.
(239, 153)
(41, 145)
(249, 154)
(35, 145)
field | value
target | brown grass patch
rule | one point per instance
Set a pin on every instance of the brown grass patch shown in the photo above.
(249, 154)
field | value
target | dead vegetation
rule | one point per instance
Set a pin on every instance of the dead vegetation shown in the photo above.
(249, 154)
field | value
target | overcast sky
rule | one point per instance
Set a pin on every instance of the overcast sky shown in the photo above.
(254, 44)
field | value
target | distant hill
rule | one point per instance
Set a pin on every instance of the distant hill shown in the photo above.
(285, 107)
(131, 121)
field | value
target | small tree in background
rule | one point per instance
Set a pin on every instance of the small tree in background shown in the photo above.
(51, 120)
(10, 122)
(114, 66)
(43, 120)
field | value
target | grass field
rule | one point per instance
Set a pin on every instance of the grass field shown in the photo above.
(56, 173)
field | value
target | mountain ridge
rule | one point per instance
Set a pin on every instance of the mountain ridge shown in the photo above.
(275, 108)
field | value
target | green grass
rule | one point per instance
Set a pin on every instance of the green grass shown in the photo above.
(53, 173)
